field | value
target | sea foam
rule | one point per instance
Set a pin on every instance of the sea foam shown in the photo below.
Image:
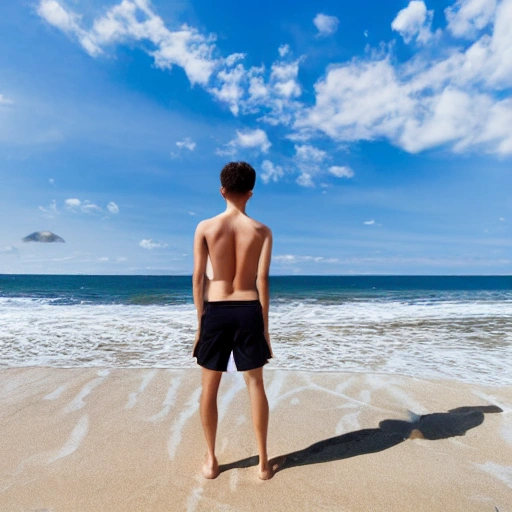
(465, 340)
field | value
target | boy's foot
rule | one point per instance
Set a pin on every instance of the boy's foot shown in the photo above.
(211, 469)
(265, 473)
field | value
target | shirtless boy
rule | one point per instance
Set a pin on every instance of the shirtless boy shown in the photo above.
(232, 307)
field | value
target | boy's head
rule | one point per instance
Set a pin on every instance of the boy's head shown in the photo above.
(237, 178)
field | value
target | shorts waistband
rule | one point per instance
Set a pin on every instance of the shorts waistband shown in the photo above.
(233, 303)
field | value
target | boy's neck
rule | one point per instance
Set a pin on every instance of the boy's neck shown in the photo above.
(236, 205)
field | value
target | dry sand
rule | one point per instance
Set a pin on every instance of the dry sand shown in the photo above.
(130, 440)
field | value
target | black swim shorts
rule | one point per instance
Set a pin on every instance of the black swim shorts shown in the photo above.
(232, 326)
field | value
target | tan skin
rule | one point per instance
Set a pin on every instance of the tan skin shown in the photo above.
(239, 249)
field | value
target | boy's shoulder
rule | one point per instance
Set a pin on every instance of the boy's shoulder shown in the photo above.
(262, 227)
(221, 217)
(209, 222)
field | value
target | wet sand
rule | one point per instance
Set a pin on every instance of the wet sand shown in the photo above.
(131, 440)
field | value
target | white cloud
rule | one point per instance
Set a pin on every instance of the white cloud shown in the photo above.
(466, 17)
(502, 219)
(104, 258)
(120, 259)
(55, 14)
(86, 206)
(250, 139)
(305, 180)
(246, 91)
(456, 99)
(341, 171)
(365, 33)
(134, 20)
(51, 181)
(253, 139)
(187, 143)
(186, 48)
(73, 203)
(287, 258)
(68, 22)
(452, 114)
(234, 58)
(358, 100)
(326, 25)
(227, 150)
(5, 101)
(284, 71)
(288, 88)
(369, 222)
(113, 208)
(300, 135)
(500, 47)
(414, 21)
(309, 161)
(292, 258)
(150, 244)
(456, 96)
(257, 89)
(309, 153)
(243, 90)
(284, 50)
(281, 92)
(271, 172)
(231, 88)
(284, 77)
(9, 249)
(50, 211)
(90, 207)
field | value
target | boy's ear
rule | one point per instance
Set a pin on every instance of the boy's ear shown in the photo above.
(223, 192)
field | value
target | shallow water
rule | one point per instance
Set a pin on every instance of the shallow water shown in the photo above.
(462, 339)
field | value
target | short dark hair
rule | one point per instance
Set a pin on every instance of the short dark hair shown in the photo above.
(238, 177)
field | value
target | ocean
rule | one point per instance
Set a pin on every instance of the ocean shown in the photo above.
(428, 327)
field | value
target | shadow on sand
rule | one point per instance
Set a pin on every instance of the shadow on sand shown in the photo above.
(455, 422)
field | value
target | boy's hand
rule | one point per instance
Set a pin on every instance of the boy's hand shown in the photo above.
(196, 339)
(267, 337)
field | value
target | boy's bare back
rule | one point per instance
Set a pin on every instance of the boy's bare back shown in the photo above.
(239, 251)
(232, 303)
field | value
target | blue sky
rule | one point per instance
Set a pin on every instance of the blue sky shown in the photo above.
(381, 132)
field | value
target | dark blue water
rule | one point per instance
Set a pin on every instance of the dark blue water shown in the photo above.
(164, 290)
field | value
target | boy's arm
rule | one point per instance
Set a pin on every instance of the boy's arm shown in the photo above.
(200, 258)
(262, 282)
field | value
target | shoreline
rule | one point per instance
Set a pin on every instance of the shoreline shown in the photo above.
(469, 341)
(130, 439)
(194, 366)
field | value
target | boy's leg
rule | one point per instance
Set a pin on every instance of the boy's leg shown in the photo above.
(259, 408)
(208, 409)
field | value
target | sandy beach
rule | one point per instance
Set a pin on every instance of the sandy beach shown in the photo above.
(131, 440)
